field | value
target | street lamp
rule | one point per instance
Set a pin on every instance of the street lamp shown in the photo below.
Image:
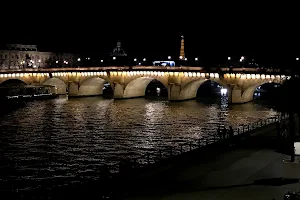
(297, 58)
(180, 57)
(135, 60)
(185, 59)
(101, 61)
(78, 59)
(229, 58)
(144, 59)
(196, 59)
(169, 57)
(114, 58)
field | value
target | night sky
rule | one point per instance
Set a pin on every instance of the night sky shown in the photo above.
(149, 30)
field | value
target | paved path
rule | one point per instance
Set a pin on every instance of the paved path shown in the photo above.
(239, 173)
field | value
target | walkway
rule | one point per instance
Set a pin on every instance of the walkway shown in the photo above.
(246, 171)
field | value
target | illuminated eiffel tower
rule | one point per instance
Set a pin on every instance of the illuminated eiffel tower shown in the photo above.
(182, 54)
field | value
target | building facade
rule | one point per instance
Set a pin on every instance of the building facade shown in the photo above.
(18, 56)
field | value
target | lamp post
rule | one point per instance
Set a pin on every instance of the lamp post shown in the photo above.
(135, 61)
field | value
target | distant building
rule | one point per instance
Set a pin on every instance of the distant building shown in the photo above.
(118, 51)
(19, 56)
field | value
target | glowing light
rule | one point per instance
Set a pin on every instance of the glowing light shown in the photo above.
(238, 75)
(257, 76)
(268, 76)
(263, 76)
(243, 76)
(212, 75)
(186, 74)
(223, 91)
(155, 73)
(253, 76)
(163, 73)
(114, 58)
(202, 74)
(232, 75)
(194, 74)
(190, 74)
(176, 73)
(216, 75)
(248, 76)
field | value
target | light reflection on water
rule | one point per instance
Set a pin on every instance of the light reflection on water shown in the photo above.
(61, 139)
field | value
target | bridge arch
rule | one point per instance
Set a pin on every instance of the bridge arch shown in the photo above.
(189, 91)
(13, 83)
(92, 87)
(137, 87)
(61, 85)
(249, 92)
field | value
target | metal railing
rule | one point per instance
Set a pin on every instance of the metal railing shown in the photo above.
(180, 148)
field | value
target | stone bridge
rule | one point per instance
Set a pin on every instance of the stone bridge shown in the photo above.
(129, 82)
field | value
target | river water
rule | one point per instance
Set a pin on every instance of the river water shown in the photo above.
(60, 139)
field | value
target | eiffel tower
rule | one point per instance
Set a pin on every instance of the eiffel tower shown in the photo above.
(182, 54)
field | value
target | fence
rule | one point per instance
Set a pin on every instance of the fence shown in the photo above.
(180, 148)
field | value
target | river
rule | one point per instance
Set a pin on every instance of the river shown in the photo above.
(60, 139)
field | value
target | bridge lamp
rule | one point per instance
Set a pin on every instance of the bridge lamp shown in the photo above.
(196, 59)
(169, 57)
(229, 58)
(114, 58)
(185, 59)
(144, 59)
(101, 61)
(39, 61)
(223, 91)
(180, 57)
(67, 62)
(297, 58)
(56, 61)
(78, 59)
(135, 60)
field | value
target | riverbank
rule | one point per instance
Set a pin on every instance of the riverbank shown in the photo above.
(252, 169)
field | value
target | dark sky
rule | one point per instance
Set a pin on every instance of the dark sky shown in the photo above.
(154, 29)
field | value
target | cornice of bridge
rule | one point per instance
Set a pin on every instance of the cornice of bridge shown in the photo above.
(147, 68)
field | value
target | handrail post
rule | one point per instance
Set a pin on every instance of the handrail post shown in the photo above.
(238, 131)
(181, 150)
(148, 158)
(171, 151)
(248, 127)
(199, 143)
(243, 128)
(190, 146)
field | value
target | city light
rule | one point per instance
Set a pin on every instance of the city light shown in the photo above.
(78, 59)
(114, 58)
(196, 59)
(56, 61)
(144, 59)
(169, 57)
(297, 58)
(135, 60)
(101, 61)
(223, 91)
(180, 57)
(229, 58)
(185, 58)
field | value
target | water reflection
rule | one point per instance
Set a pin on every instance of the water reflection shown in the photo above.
(61, 139)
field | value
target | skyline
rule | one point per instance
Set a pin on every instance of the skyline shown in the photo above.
(211, 33)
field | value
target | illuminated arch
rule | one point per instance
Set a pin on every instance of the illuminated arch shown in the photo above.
(249, 92)
(189, 91)
(91, 87)
(61, 86)
(137, 87)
